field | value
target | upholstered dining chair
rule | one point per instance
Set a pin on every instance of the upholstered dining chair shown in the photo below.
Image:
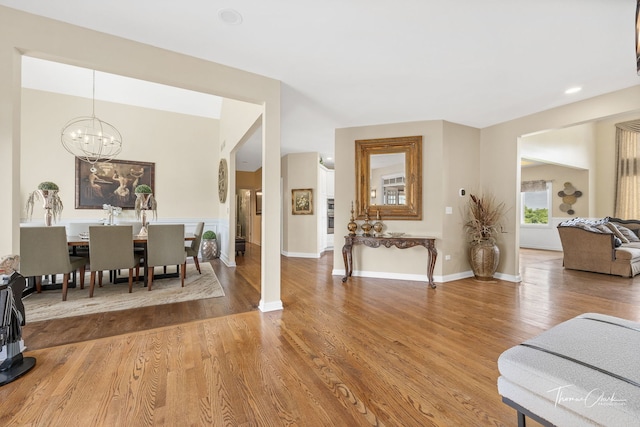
(44, 251)
(111, 248)
(165, 246)
(194, 248)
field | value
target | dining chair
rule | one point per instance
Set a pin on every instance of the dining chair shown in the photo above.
(111, 248)
(165, 246)
(44, 251)
(78, 229)
(194, 248)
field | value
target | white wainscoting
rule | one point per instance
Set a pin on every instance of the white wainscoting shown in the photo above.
(541, 237)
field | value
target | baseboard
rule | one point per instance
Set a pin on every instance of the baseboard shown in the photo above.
(270, 306)
(422, 277)
(542, 247)
(300, 254)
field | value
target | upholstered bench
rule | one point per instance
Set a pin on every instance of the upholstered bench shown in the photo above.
(582, 372)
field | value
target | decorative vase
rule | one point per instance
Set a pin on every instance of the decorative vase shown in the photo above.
(377, 226)
(48, 217)
(47, 203)
(484, 256)
(209, 249)
(143, 206)
(366, 227)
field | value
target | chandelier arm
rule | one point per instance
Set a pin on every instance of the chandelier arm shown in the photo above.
(90, 139)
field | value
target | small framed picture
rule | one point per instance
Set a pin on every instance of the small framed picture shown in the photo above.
(258, 202)
(302, 201)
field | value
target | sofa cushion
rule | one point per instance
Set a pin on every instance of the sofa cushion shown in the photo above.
(630, 235)
(616, 230)
(603, 228)
(629, 253)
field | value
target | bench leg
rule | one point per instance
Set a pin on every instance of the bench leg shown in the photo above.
(522, 420)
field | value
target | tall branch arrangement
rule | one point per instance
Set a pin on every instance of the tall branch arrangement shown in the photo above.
(485, 216)
(47, 192)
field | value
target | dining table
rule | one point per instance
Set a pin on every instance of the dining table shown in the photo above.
(141, 241)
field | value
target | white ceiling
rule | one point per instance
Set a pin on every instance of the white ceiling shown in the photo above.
(363, 62)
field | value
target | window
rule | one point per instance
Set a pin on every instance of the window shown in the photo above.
(535, 202)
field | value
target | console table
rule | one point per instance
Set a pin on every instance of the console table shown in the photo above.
(387, 242)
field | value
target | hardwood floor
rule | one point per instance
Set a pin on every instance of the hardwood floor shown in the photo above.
(367, 352)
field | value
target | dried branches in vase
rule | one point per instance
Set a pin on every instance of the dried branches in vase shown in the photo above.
(485, 216)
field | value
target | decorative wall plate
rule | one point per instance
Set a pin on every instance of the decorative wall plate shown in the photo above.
(223, 179)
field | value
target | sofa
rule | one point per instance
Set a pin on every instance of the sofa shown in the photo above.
(608, 245)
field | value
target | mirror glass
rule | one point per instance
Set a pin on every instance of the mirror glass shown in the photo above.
(389, 178)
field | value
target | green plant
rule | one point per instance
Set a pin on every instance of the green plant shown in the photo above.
(143, 189)
(47, 191)
(48, 185)
(209, 235)
(485, 217)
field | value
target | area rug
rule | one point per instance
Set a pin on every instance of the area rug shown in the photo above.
(112, 297)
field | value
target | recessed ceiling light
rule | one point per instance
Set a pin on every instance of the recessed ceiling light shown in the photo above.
(573, 90)
(230, 16)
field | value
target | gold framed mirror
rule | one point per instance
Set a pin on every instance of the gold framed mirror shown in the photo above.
(389, 177)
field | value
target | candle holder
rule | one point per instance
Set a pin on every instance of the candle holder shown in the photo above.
(352, 226)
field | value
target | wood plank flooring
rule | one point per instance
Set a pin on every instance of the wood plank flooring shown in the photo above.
(369, 352)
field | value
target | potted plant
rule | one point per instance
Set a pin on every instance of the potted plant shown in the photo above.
(51, 202)
(144, 201)
(484, 223)
(209, 245)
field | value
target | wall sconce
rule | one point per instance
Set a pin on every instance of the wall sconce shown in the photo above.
(373, 193)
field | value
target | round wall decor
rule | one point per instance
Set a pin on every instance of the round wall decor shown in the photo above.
(569, 197)
(223, 177)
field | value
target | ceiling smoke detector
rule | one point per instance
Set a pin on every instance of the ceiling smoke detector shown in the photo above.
(230, 16)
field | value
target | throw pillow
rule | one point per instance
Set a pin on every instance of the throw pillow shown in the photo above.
(617, 232)
(630, 235)
(603, 228)
(617, 242)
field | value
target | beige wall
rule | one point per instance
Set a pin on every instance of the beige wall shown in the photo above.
(454, 159)
(238, 121)
(184, 149)
(300, 171)
(22, 33)
(449, 159)
(500, 153)
(460, 156)
(558, 175)
(573, 146)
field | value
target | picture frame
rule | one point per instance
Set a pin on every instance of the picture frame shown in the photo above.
(302, 201)
(258, 202)
(113, 183)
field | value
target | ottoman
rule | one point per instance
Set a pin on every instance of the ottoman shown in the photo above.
(582, 372)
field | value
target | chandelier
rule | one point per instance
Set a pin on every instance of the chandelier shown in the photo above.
(91, 139)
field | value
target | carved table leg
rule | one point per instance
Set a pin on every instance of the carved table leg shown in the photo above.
(347, 256)
(433, 254)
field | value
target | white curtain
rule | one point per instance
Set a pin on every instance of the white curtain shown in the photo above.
(627, 196)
